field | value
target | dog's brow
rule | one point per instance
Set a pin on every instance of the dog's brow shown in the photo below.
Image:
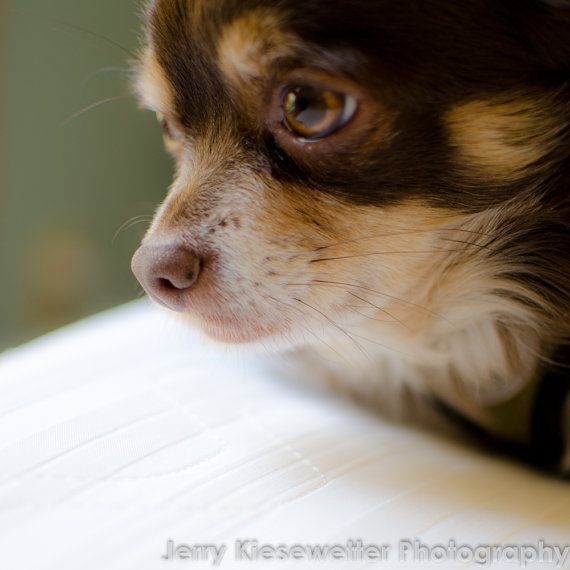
(503, 138)
(152, 87)
(251, 43)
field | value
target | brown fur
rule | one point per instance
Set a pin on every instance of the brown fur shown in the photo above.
(427, 240)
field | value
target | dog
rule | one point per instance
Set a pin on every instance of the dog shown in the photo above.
(379, 186)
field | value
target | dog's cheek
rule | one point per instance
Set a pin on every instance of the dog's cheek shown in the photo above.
(503, 138)
(334, 255)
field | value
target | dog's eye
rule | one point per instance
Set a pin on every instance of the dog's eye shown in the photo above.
(314, 113)
(172, 136)
(163, 122)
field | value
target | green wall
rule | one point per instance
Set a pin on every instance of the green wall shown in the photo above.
(66, 187)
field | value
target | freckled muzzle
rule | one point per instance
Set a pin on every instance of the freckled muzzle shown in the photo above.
(167, 273)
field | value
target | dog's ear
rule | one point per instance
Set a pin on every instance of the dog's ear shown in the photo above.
(547, 28)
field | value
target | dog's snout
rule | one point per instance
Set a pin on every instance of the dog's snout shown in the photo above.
(167, 273)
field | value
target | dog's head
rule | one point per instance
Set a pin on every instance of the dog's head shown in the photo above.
(347, 164)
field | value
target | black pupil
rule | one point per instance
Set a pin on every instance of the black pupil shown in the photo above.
(310, 106)
(302, 103)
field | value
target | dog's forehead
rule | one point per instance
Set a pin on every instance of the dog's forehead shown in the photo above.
(406, 49)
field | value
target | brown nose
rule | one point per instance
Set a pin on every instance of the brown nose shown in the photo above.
(167, 273)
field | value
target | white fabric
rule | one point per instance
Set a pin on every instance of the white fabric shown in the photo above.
(124, 431)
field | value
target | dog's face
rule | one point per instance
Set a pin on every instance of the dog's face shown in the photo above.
(346, 164)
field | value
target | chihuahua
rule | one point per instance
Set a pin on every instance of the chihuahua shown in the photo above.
(381, 186)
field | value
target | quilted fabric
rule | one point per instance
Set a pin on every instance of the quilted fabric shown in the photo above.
(124, 432)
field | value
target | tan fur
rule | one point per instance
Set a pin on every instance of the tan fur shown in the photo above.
(151, 85)
(503, 137)
(470, 346)
(249, 45)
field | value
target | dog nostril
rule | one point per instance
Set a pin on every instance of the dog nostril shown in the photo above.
(177, 283)
(166, 284)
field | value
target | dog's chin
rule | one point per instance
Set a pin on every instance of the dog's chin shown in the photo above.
(244, 333)
(226, 330)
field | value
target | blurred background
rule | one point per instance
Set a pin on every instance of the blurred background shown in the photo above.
(78, 159)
